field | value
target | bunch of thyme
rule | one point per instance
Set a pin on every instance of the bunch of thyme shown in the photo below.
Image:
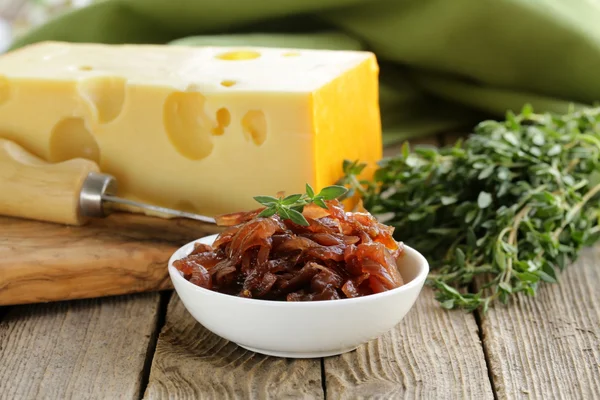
(498, 213)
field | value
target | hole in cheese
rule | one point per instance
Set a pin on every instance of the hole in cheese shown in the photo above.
(106, 94)
(188, 127)
(254, 125)
(239, 55)
(71, 139)
(291, 54)
(4, 90)
(223, 117)
(223, 121)
(85, 68)
(228, 83)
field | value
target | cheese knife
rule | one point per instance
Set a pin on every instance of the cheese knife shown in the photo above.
(69, 192)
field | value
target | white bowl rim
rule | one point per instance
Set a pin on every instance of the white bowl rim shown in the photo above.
(416, 281)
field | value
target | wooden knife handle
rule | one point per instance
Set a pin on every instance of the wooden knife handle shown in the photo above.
(35, 189)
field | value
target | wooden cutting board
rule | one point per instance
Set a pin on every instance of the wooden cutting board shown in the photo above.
(123, 253)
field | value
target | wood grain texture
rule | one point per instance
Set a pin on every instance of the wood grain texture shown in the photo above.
(192, 363)
(548, 346)
(124, 253)
(431, 354)
(89, 349)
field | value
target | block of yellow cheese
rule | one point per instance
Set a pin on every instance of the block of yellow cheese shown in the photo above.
(200, 129)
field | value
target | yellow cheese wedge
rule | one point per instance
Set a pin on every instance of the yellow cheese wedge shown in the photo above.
(200, 129)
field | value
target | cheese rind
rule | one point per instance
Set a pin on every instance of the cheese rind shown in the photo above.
(201, 129)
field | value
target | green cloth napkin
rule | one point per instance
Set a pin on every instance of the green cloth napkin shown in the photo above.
(445, 64)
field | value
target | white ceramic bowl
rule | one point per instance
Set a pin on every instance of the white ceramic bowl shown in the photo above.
(300, 329)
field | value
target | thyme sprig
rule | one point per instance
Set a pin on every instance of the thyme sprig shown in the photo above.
(290, 207)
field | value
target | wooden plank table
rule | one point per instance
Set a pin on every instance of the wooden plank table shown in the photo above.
(148, 346)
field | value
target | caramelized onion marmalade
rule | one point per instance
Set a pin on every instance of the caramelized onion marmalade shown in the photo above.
(339, 255)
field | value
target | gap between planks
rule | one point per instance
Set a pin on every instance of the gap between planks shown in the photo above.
(164, 299)
(3, 312)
